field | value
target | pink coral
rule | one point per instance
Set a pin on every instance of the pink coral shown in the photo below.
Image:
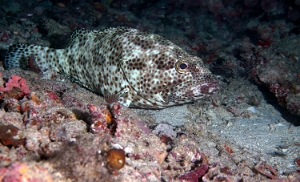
(24, 172)
(17, 82)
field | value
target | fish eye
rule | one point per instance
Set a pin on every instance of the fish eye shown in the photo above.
(181, 66)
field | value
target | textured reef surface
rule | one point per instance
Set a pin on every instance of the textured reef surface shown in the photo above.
(53, 129)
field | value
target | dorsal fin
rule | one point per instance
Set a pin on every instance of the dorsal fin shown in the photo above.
(77, 34)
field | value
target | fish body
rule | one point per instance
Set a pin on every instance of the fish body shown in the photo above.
(144, 70)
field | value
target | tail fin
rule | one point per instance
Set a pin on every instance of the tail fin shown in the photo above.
(17, 56)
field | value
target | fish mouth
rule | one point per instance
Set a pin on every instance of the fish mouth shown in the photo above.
(194, 90)
(208, 87)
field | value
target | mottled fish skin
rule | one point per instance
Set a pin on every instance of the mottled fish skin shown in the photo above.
(143, 70)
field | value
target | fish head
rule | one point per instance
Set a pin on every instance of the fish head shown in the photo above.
(163, 75)
(191, 81)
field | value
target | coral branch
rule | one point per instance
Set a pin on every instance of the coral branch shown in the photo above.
(266, 170)
(196, 174)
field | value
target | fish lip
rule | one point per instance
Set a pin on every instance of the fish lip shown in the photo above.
(213, 86)
(204, 89)
(196, 90)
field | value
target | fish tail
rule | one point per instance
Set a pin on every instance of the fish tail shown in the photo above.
(19, 56)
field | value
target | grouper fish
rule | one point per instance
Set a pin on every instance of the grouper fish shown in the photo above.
(142, 70)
